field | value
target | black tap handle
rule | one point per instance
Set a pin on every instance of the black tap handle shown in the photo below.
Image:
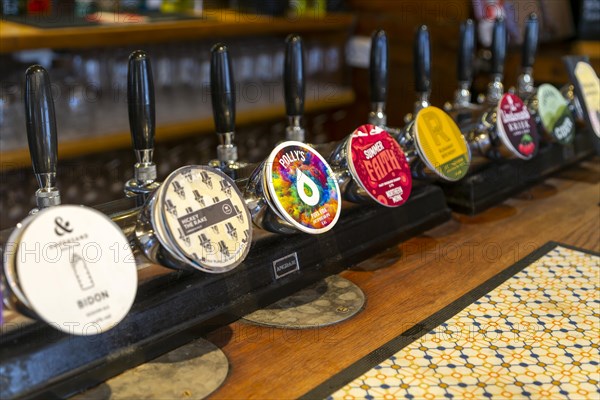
(378, 67)
(40, 120)
(499, 46)
(222, 89)
(293, 76)
(530, 42)
(140, 101)
(422, 60)
(466, 51)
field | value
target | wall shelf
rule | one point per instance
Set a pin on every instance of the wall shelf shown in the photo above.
(94, 144)
(218, 23)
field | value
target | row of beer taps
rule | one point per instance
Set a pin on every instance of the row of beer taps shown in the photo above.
(201, 217)
(481, 135)
(478, 122)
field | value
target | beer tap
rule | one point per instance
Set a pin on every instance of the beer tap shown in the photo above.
(294, 189)
(197, 218)
(422, 68)
(466, 51)
(369, 163)
(432, 142)
(461, 109)
(294, 87)
(378, 78)
(499, 39)
(549, 109)
(223, 104)
(68, 229)
(41, 135)
(140, 102)
(525, 82)
(504, 128)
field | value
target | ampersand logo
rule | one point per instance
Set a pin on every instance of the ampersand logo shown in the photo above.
(62, 228)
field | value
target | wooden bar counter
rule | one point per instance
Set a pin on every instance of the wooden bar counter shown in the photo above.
(411, 281)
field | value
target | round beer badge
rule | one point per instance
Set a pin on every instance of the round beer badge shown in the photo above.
(379, 165)
(206, 218)
(441, 144)
(516, 129)
(590, 87)
(76, 269)
(554, 112)
(302, 187)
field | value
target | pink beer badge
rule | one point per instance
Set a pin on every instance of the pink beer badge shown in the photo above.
(516, 128)
(379, 165)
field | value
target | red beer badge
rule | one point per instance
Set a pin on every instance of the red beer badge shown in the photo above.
(516, 128)
(379, 165)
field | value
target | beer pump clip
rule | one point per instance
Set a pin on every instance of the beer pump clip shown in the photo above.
(49, 251)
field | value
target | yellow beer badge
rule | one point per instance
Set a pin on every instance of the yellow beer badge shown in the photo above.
(441, 144)
(590, 87)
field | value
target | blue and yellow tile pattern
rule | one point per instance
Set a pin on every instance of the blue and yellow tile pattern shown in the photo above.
(536, 335)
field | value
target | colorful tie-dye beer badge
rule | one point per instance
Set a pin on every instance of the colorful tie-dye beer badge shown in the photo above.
(379, 165)
(303, 188)
(554, 112)
(441, 144)
(590, 87)
(516, 128)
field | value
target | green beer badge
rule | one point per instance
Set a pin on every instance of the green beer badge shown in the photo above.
(554, 112)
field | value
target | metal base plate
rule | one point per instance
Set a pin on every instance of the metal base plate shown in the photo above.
(174, 375)
(327, 302)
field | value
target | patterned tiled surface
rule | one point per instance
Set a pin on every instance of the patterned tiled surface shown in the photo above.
(535, 336)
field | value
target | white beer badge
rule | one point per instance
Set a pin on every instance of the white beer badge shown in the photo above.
(75, 268)
(205, 218)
